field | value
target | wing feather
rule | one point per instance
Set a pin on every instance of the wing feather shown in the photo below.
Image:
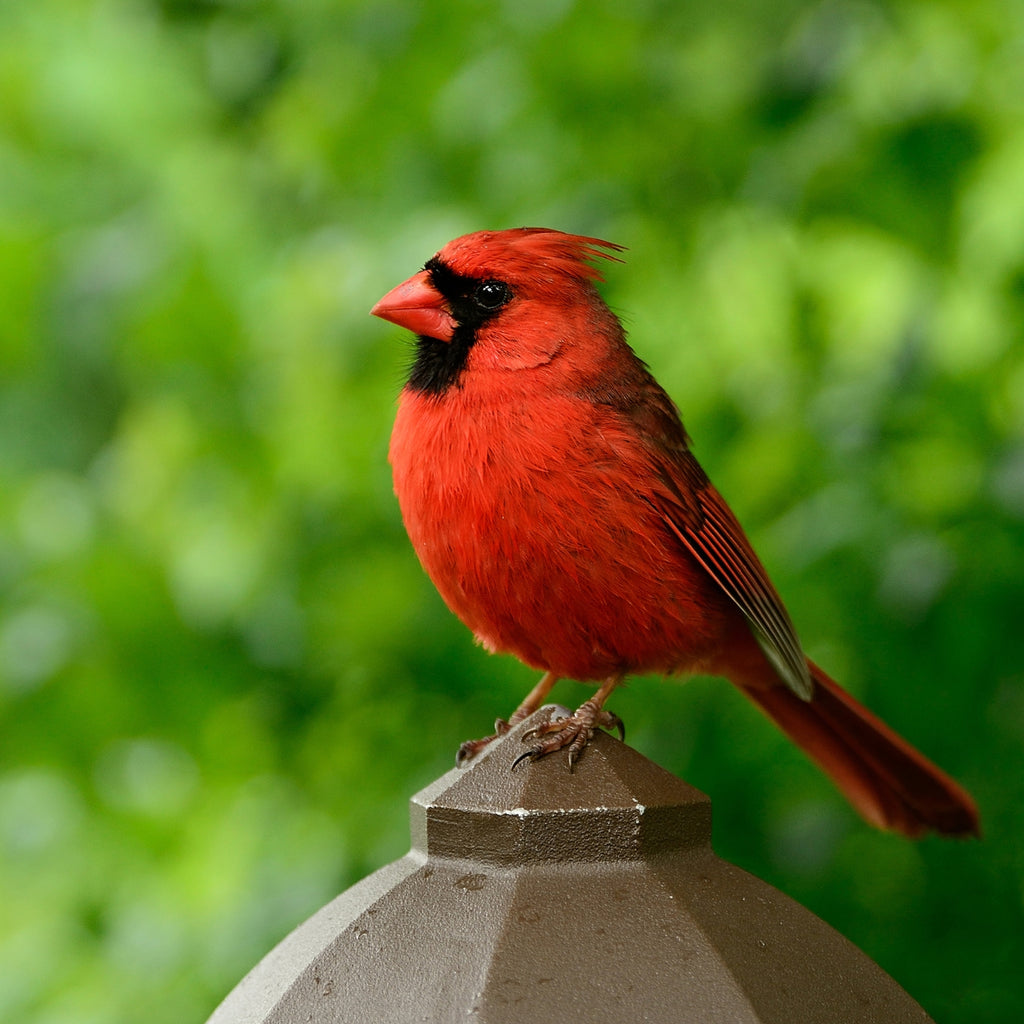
(699, 517)
(717, 541)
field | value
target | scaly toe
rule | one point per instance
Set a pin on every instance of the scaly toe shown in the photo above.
(609, 720)
(573, 733)
(468, 750)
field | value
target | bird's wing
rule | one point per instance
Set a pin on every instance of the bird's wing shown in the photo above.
(705, 525)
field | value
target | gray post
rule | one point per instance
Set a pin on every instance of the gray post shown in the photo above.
(539, 895)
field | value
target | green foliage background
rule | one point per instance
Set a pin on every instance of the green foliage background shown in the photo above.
(222, 672)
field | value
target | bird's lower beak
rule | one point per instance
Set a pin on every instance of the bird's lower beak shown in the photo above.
(419, 307)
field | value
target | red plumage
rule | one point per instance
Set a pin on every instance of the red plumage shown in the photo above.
(547, 485)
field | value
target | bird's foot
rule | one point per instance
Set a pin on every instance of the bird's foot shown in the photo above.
(531, 702)
(471, 748)
(573, 732)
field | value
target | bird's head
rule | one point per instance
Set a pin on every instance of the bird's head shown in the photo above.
(501, 299)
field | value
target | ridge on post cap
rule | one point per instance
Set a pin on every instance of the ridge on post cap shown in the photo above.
(615, 804)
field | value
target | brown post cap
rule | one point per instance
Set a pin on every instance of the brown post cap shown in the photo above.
(543, 895)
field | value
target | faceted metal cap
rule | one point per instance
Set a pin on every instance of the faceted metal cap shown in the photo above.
(544, 895)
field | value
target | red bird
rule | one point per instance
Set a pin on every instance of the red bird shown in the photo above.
(548, 487)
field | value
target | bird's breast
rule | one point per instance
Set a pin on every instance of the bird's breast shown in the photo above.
(530, 519)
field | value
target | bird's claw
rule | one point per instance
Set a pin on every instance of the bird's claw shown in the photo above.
(468, 750)
(529, 755)
(616, 723)
(572, 733)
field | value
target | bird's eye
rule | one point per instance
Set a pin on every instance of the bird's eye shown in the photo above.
(491, 294)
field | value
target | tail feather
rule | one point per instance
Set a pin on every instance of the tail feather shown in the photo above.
(890, 783)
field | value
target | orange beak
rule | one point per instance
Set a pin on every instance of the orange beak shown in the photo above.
(419, 307)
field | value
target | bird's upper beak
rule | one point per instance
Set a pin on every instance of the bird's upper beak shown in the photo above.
(419, 307)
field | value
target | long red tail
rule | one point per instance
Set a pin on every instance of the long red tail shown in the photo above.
(890, 783)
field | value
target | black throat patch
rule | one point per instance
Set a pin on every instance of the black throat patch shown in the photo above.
(438, 365)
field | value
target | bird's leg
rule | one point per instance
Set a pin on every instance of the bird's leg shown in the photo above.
(532, 701)
(576, 731)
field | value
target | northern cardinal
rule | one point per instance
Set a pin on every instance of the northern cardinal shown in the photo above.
(547, 485)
